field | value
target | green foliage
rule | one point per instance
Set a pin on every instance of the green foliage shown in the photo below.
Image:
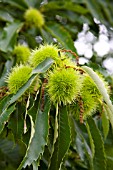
(39, 134)
(54, 114)
(9, 36)
(61, 34)
(99, 160)
(62, 144)
(105, 123)
(5, 115)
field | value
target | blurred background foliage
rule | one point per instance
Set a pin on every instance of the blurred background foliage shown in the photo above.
(64, 21)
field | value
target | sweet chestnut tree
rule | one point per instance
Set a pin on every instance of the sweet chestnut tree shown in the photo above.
(55, 114)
